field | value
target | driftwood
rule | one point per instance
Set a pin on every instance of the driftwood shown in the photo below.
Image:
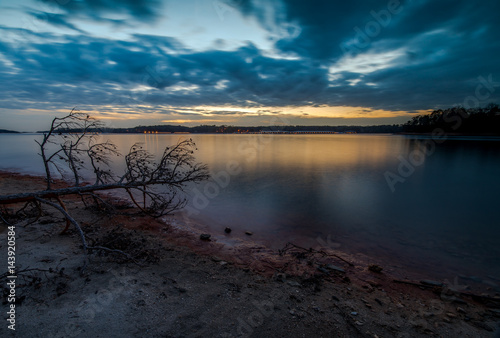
(416, 284)
(26, 197)
(71, 146)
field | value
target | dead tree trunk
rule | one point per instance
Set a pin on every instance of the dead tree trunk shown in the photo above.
(71, 144)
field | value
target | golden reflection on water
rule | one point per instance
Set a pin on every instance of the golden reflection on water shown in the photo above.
(310, 152)
(262, 154)
(151, 142)
(283, 152)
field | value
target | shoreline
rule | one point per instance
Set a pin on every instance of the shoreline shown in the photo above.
(297, 269)
(242, 250)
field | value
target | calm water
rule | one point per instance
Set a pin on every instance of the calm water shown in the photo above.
(441, 214)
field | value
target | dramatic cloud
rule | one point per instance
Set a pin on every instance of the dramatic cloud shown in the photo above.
(123, 58)
(102, 10)
(59, 20)
(393, 54)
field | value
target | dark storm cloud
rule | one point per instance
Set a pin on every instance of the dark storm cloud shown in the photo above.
(181, 112)
(59, 20)
(79, 69)
(99, 10)
(449, 45)
(325, 26)
(441, 51)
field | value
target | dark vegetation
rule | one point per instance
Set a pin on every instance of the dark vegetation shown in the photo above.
(208, 129)
(456, 120)
(459, 120)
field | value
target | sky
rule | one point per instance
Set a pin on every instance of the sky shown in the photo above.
(244, 62)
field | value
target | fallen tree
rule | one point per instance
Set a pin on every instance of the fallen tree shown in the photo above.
(70, 147)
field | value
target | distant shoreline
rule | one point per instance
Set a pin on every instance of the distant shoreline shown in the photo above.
(451, 136)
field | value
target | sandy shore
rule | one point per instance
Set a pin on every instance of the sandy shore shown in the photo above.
(181, 286)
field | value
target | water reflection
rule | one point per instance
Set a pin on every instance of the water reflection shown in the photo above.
(442, 218)
(313, 152)
(299, 188)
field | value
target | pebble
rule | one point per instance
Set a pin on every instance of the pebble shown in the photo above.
(227, 230)
(294, 283)
(335, 268)
(495, 312)
(354, 313)
(482, 325)
(205, 237)
(249, 233)
(431, 283)
(461, 310)
(325, 271)
(375, 268)
(453, 299)
(280, 277)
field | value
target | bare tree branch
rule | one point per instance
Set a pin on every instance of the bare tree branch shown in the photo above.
(68, 217)
(71, 144)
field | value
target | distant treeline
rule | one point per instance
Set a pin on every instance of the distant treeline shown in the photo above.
(459, 120)
(478, 121)
(235, 129)
(4, 131)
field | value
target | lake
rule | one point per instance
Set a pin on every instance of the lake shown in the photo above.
(423, 204)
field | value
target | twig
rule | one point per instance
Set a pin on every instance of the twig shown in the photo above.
(5, 221)
(115, 251)
(74, 222)
(97, 199)
(415, 284)
(23, 271)
(311, 250)
(68, 223)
